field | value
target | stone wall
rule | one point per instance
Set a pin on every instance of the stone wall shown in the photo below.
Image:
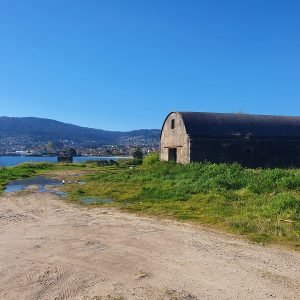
(175, 138)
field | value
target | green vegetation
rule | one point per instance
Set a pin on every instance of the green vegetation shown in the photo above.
(263, 204)
(8, 174)
(138, 154)
(21, 171)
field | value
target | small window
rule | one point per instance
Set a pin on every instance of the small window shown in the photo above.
(172, 123)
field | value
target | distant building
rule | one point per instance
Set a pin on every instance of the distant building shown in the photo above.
(251, 140)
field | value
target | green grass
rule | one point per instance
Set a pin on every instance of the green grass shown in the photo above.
(8, 174)
(262, 204)
(12, 173)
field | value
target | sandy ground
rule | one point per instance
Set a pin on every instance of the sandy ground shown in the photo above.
(50, 249)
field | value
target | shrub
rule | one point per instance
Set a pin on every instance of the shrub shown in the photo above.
(151, 158)
(137, 154)
(129, 162)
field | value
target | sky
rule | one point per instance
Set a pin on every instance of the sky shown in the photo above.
(125, 64)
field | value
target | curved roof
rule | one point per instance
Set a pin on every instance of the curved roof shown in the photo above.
(229, 124)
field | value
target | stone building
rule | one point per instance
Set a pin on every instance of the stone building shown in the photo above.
(251, 140)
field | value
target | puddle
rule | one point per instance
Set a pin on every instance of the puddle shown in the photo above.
(94, 200)
(59, 193)
(40, 182)
(44, 184)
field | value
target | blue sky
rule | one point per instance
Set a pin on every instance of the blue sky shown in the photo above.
(122, 65)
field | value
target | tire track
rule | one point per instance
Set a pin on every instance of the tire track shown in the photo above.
(65, 286)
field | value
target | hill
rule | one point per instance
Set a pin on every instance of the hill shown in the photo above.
(34, 130)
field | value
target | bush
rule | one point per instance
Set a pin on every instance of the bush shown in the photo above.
(151, 158)
(137, 154)
(129, 162)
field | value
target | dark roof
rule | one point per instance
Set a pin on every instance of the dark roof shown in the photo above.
(227, 124)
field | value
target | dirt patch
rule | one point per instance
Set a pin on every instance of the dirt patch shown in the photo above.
(50, 249)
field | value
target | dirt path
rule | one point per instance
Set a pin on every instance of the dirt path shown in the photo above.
(50, 249)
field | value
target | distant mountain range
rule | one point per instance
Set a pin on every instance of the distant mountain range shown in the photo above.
(35, 130)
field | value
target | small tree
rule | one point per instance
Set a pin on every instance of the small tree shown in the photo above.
(72, 151)
(137, 154)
